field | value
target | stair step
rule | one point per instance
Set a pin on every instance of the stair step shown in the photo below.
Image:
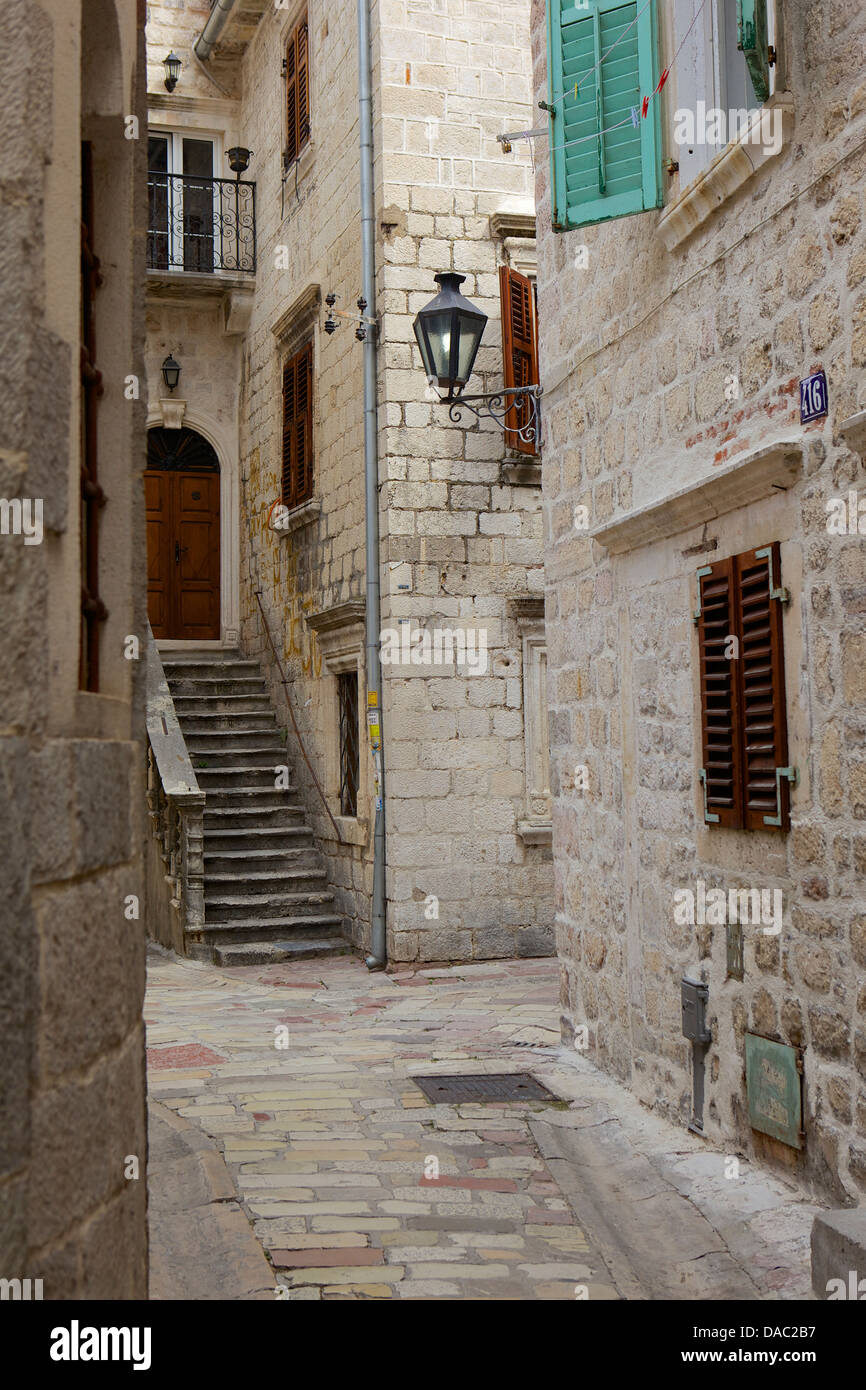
(227, 687)
(265, 834)
(197, 707)
(228, 907)
(278, 862)
(230, 878)
(254, 820)
(276, 952)
(311, 924)
(260, 774)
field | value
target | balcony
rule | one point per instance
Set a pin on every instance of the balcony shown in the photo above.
(201, 226)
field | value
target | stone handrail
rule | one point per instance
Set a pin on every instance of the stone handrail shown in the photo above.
(175, 804)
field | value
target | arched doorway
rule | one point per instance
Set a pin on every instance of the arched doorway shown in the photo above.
(182, 497)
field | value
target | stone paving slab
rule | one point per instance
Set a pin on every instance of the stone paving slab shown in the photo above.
(201, 1243)
(358, 1187)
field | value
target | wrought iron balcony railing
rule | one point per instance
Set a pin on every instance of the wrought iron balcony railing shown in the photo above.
(199, 224)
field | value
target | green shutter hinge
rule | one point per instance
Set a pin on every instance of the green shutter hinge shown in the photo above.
(705, 569)
(546, 106)
(709, 816)
(776, 590)
(793, 777)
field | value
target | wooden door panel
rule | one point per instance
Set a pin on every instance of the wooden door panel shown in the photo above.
(183, 554)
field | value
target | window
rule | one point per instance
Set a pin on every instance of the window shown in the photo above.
(183, 208)
(297, 67)
(347, 698)
(519, 348)
(745, 776)
(605, 155)
(719, 85)
(93, 610)
(297, 472)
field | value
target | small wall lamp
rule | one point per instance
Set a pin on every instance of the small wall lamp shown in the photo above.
(171, 372)
(172, 65)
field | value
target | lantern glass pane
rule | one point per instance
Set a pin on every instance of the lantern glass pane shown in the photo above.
(438, 328)
(471, 329)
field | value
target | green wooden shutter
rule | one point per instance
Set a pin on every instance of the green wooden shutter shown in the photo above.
(752, 41)
(599, 176)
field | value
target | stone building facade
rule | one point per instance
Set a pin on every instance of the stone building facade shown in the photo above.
(72, 1201)
(672, 345)
(468, 819)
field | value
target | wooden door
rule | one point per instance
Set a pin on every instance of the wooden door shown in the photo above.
(183, 554)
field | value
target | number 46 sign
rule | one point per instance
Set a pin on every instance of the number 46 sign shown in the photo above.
(813, 397)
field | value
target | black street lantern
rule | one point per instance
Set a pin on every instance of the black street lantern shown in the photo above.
(238, 159)
(172, 65)
(171, 373)
(448, 331)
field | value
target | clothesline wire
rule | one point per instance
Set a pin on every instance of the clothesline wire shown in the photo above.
(580, 81)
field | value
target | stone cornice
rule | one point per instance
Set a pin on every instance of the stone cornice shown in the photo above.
(775, 467)
(299, 316)
(340, 631)
(508, 224)
(335, 619)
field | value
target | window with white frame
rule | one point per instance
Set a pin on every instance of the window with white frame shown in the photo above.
(720, 86)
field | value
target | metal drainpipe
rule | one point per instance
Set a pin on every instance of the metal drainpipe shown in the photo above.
(377, 958)
(204, 44)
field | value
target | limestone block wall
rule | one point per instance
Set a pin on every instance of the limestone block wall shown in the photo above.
(637, 351)
(458, 540)
(73, 906)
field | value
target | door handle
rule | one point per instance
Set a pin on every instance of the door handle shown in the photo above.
(178, 551)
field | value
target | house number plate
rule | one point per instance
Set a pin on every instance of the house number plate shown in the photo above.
(813, 397)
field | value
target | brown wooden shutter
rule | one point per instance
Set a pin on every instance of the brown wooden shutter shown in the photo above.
(297, 469)
(303, 84)
(297, 91)
(303, 464)
(519, 347)
(288, 429)
(720, 734)
(761, 680)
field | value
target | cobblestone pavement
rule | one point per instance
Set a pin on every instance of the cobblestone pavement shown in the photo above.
(331, 1144)
(302, 1075)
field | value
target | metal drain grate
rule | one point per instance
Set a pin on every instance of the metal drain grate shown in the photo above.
(512, 1085)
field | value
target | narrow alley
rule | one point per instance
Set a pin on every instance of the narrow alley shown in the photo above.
(357, 1186)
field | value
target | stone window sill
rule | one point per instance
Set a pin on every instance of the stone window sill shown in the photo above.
(301, 516)
(853, 431)
(522, 471)
(727, 173)
(535, 833)
(299, 168)
(353, 830)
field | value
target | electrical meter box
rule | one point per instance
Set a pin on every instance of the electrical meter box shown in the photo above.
(695, 996)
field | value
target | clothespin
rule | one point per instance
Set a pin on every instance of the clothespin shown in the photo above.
(644, 107)
(575, 91)
(635, 117)
(663, 79)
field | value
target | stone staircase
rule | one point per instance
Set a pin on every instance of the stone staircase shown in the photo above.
(265, 884)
